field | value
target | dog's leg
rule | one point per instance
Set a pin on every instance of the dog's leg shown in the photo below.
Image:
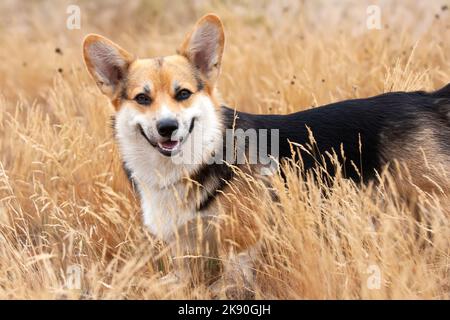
(238, 277)
(194, 253)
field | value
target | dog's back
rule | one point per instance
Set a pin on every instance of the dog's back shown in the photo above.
(408, 127)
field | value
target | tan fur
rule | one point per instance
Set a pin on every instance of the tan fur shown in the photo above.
(127, 58)
(419, 164)
(187, 44)
(420, 170)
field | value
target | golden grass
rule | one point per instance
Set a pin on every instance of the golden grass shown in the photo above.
(64, 200)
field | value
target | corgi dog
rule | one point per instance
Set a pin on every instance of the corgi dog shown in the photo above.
(168, 110)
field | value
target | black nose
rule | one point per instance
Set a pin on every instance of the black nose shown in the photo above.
(166, 127)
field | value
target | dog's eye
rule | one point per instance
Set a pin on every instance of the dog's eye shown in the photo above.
(143, 99)
(183, 95)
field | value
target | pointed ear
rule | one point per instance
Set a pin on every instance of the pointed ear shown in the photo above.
(106, 62)
(204, 46)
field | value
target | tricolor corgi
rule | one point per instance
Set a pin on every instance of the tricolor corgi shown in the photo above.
(172, 127)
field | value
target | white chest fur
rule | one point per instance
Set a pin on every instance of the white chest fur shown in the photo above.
(162, 210)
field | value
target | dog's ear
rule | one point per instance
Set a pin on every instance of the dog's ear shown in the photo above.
(204, 46)
(106, 62)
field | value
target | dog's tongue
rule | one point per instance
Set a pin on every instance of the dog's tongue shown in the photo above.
(169, 144)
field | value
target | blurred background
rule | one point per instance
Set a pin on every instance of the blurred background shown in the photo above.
(325, 44)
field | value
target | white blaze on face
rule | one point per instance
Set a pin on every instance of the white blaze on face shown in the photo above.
(165, 112)
(183, 127)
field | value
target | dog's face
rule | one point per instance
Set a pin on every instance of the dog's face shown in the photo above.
(161, 101)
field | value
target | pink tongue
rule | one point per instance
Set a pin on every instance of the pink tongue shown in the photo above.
(169, 144)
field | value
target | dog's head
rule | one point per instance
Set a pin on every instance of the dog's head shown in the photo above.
(161, 101)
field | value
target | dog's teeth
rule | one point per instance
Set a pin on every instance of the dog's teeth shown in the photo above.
(169, 146)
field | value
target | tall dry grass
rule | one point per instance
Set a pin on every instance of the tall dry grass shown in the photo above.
(64, 200)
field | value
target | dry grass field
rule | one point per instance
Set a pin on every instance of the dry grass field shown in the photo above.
(67, 210)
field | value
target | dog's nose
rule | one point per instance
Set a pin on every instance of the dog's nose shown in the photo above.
(166, 127)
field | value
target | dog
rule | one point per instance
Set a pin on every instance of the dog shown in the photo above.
(168, 108)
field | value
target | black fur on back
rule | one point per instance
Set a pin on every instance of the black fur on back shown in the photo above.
(350, 122)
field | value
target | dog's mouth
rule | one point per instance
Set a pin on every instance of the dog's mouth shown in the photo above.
(168, 147)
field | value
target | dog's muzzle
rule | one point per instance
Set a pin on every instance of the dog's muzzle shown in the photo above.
(166, 146)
